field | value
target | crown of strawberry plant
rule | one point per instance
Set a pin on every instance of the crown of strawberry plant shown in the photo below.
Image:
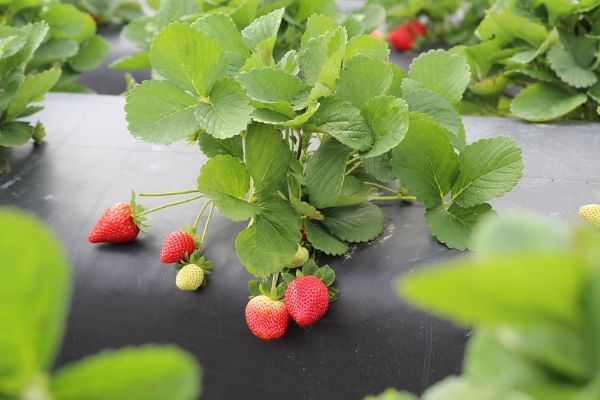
(309, 141)
(549, 48)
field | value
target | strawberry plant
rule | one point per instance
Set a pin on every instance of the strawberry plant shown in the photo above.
(548, 48)
(291, 27)
(34, 293)
(71, 42)
(303, 147)
(532, 295)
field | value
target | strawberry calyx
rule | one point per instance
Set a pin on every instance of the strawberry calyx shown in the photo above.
(325, 274)
(267, 287)
(196, 258)
(137, 214)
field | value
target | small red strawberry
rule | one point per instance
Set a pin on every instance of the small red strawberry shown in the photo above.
(401, 39)
(177, 245)
(416, 28)
(266, 318)
(306, 300)
(119, 223)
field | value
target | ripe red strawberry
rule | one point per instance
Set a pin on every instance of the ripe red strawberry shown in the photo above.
(116, 225)
(176, 246)
(266, 318)
(119, 223)
(416, 28)
(306, 300)
(401, 39)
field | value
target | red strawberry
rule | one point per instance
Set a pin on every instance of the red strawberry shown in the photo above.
(266, 318)
(401, 39)
(416, 28)
(306, 300)
(176, 246)
(118, 224)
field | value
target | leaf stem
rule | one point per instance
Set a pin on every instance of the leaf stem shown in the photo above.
(382, 187)
(354, 167)
(201, 213)
(175, 203)
(274, 285)
(208, 219)
(160, 194)
(394, 198)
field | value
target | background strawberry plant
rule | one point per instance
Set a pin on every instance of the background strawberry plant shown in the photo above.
(548, 48)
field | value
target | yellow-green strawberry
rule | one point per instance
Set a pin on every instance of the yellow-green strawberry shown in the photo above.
(190, 277)
(591, 213)
(299, 258)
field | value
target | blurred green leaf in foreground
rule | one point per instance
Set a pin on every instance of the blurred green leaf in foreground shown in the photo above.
(35, 294)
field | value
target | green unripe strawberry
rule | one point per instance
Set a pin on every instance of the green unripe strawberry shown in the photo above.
(190, 277)
(299, 258)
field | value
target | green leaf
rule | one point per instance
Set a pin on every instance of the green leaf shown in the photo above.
(354, 192)
(225, 180)
(507, 26)
(379, 167)
(488, 360)
(392, 394)
(267, 157)
(489, 168)
(541, 102)
(354, 223)
(67, 22)
(398, 76)
(132, 62)
(160, 112)
(516, 232)
(34, 294)
(362, 79)
(148, 373)
(564, 64)
(450, 82)
(529, 302)
(322, 240)
(268, 245)
(453, 226)
(213, 147)
(222, 29)
(227, 112)
(15, 133)
(367, 45)
(54, 50)
(194, 64)
(91, 54)
(344, 122)
(272, 88)
(306, 209)
(430, 103)
(325, 173)
(388, 118)
(425, 160)
(32, 89)
(317, 25)
(262, 28)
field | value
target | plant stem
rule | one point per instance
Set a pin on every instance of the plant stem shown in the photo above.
(175, 203)
(274, 284)
(210, 213)
(299, 152)
(354, 167)
(394, 198)
(160, 194)
(381, 187)
(201, 213)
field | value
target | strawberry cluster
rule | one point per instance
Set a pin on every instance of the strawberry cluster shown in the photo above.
(303, 297)
(403, 37)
